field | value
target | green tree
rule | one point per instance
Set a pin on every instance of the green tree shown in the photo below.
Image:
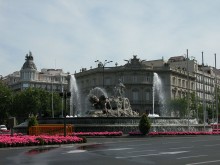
(144, 124)
(32, 121)
(178, 107)
(5, 103)
(35, 101)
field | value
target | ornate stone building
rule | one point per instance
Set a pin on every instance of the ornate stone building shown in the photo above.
(137, 76)
(29, 76)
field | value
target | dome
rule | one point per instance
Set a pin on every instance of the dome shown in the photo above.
(29, 64)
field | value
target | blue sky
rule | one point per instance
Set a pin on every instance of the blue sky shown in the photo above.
(72, 34)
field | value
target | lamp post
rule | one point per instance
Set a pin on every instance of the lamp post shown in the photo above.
(216, 95)
(103, 64)
(65, 94)
(204, 101)
(52, 98)
(188, 88)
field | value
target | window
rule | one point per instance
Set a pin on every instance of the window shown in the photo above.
(135, 79)
(94, 82)
(183, 84)
(107, 81)
(179, 82)
(174, 81)
(147, 77)
(192, 85)
(147, 95)
(135, 95)
(174, 94)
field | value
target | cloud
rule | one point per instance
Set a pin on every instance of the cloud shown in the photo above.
(73, 34)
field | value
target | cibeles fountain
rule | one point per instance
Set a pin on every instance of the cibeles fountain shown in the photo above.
(114, 113)
(114, 106)
(98, 111)
(102, 112)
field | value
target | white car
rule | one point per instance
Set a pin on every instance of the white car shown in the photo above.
(3, 128)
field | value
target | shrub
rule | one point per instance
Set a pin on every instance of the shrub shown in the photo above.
(32, 121)
(144, 124)
(84, 140)
(41, 140)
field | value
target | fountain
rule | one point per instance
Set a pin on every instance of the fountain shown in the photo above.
(75, 104)
(114, 113)
(114, 106)
(157, 91)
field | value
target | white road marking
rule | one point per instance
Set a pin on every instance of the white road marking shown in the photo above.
(172, 153)
(207, 162)
(211, 145)
(76, 151)
(200, 141)
(119, 149)
(148, 144)
(126, 141)
(160, 153)
(180, 148)
(171, 142)
(196, 156)
(140, 151)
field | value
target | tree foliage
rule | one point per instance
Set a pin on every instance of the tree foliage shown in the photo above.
(5, 103)
(32, 101)
(32, 121)
(178, 107)
(35, 101)
(144, 124)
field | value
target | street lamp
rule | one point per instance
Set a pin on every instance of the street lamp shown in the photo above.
(216, 95)
(103, 64)
(188, 88)
(52, 96)
(66, 94)
(204, 101)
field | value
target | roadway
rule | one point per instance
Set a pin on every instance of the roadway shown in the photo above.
(182, 150)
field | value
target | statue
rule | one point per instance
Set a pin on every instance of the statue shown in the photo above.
(115, 106)
(119, 89)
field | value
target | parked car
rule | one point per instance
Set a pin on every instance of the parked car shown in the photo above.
(3, 128)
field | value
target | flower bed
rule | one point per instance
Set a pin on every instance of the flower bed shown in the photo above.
(25, 140)
(174, 133)
(4, 131)
(120, 133)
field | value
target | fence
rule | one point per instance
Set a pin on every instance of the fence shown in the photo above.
(215, 127)
(50, 129)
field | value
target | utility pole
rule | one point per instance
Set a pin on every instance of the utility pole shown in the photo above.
(216, 95)
(188, 86)
(52, 99)
(64, 94)
(204, 102)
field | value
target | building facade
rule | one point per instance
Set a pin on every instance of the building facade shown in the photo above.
(29, 76)
(178, 75)
(137, 75)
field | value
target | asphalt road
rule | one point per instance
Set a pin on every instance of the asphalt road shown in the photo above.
(183, 150)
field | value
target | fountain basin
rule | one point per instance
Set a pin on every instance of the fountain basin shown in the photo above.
(127, 124)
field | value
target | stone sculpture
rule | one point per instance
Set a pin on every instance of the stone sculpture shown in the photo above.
(114, 106)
